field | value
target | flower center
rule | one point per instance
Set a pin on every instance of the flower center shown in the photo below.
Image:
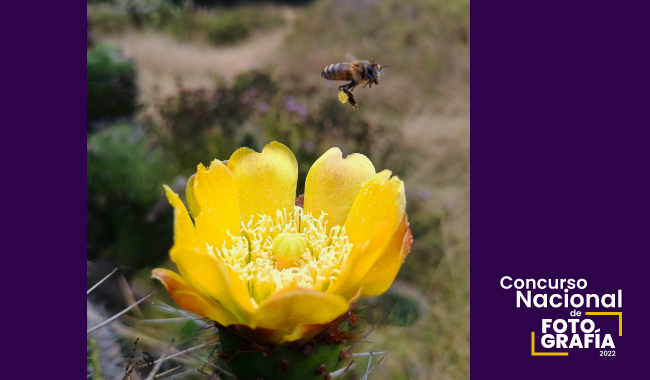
(288, 247)
(291, 249)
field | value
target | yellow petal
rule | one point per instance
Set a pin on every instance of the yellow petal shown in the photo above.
(193, 300)
(212, 277)
(184, 232)
(290, 308)
(266, 181)
(189, 197)
(373, 219)
(308, 331)
(333, 184)
(382, 274)
(213, 195)
(261, 335)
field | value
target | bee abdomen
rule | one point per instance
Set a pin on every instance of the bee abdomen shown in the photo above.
(337, 71)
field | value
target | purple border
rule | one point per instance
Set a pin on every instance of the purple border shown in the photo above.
(561, 178)
(43, 123)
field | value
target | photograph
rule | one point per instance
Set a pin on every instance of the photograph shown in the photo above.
(278, 189)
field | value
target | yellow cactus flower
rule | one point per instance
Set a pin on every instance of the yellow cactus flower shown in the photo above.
(276, 271)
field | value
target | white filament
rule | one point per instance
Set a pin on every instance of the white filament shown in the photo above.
(251, 254)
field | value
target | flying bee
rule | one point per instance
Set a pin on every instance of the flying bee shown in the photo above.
(357, 72)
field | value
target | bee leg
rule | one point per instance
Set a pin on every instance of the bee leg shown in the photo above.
(346, 87)
(351, 100)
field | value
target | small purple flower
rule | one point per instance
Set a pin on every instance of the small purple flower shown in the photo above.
(419, 195)
(291, 105)
(307, 146)
(425, 195)
(302, 110)
(450, 203)
(263, 107)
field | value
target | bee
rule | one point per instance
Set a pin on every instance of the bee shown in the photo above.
(357, 72)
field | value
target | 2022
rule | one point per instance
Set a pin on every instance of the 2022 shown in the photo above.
(607, 353)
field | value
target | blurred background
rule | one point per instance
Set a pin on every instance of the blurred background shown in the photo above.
(172, 83)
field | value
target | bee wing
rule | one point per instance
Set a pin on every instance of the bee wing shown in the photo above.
(350, 57)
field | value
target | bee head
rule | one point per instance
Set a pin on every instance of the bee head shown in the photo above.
(374, 71)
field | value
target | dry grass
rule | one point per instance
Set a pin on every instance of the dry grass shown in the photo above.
(163, 62)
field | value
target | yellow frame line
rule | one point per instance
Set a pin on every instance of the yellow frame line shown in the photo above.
(620, 318)
(533, 353)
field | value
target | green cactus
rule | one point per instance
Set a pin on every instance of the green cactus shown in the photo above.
(311, 360)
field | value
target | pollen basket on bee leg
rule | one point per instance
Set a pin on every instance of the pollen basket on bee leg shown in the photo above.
(343, 97)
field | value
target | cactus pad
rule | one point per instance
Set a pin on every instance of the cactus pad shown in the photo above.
(313, 360)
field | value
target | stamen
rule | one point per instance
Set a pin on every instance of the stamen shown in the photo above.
(314, 258)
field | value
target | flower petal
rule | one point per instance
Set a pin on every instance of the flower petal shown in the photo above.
(382, 274)
(333, 184)
(261, 335)
(213, 195)
(266, 181)
(373, 219)
(189, 197)
(290, 308)
(212, 277)
(191, 299)
(184, 232)
(308, 331)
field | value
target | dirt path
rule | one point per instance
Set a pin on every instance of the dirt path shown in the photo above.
(162, 61)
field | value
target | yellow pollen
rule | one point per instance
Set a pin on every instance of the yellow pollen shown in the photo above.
(343, 97)
(291, 249)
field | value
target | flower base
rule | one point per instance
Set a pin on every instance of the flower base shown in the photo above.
(311, 360)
